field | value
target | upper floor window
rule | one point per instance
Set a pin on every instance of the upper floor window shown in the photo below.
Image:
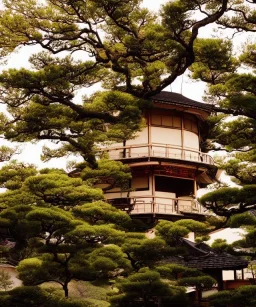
(166, 120)
(140, 183)
(175, 121)
(190, 123)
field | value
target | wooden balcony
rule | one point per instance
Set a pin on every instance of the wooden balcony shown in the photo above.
(159, 206)
(157, 151)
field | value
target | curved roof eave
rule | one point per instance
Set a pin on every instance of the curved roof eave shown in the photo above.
(171, 98)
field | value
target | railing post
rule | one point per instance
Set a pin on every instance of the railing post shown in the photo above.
(149, 150)
(182, 154)
(153, 206)
(176, 205)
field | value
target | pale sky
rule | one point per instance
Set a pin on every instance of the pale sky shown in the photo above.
(229, 234)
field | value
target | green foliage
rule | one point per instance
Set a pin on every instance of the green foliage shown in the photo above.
(109, 259)
(110, 173)
(145, 252)
(231, 91)
(209, 68)
(229, 201)
(243, 296)
(95, 234)
(220, 299)
(220, 245)
(243, 219)
(101, 212)
(61, 190)
(146, 287)
(6, 152)
(200, 282)
(202, 239)
(30, 270)
(172, 231)
(176, 271)
(61, 226)
(192, 225)
(135, 58)
(32, 296)
(14, 173)
(56, 243)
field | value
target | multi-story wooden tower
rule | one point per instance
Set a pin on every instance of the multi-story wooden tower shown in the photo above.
(166, 161)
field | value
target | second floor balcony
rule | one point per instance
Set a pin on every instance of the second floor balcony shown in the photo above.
(158, 151)
(158, 206)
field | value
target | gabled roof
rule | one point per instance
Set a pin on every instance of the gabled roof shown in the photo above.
(222, 261)
(203, 257)
(178, 99)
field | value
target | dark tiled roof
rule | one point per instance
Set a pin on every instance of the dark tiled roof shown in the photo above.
(222, 261)
(178, 99)
(193, 248)
(201, 256)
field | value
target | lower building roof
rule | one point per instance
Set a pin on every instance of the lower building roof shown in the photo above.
(203, 257)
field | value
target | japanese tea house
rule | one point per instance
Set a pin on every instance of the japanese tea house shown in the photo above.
(166, 161)
(211, 262)
(204, 258)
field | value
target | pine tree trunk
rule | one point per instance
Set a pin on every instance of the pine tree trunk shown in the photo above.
(65, 288)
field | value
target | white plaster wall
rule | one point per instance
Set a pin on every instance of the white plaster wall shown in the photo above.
(166, 136)
(229, 275)
(141, 138)
(191, 140)
(165, 195)
(161, 136)
(132, 193)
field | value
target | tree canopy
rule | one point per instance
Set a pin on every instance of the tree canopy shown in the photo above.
(63, 230)
(133, 52)
(61, 226)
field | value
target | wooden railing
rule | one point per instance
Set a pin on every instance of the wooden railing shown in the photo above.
(157, 150)
(159, 205)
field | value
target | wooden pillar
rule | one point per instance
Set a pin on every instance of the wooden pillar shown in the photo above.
(182, 138)
(216, 274)
(153, 193)
(149, 135)
(220, 280)
(195, 187)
